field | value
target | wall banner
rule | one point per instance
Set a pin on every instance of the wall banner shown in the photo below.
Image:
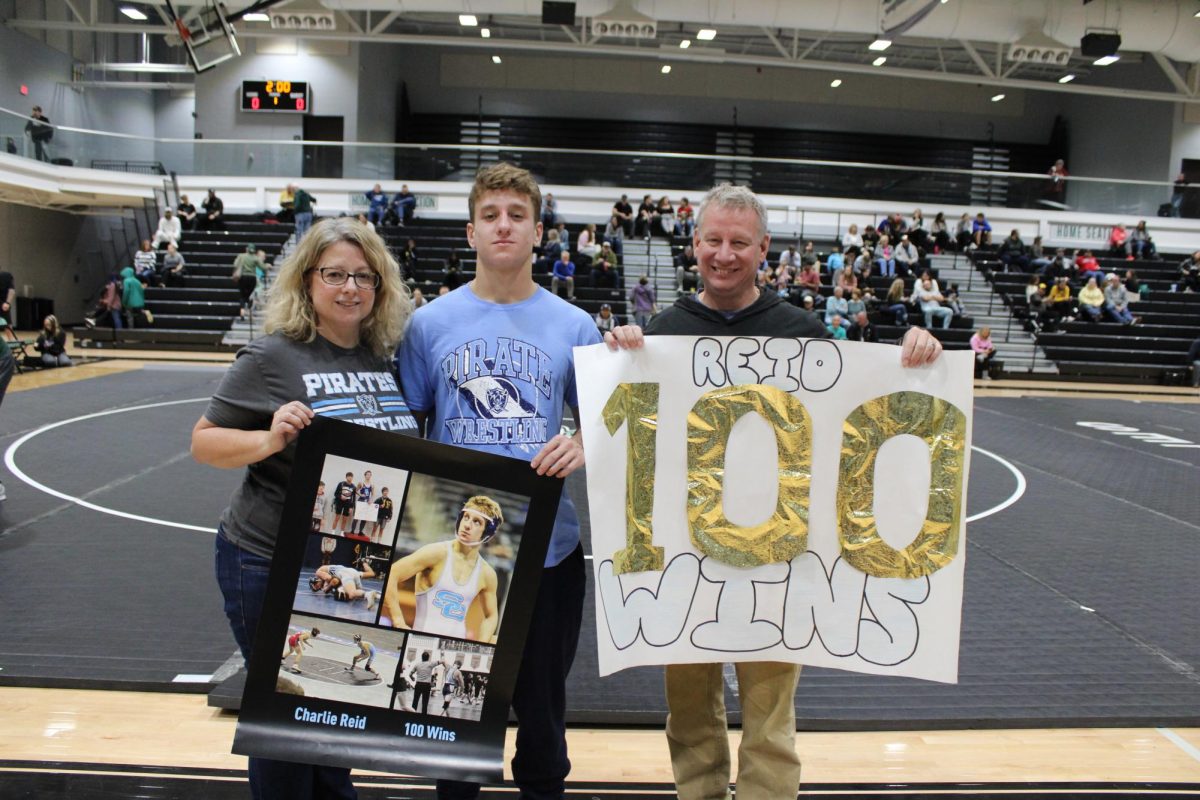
(397, 608)
(773, 499)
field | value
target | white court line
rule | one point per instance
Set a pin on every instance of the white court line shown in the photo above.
(10, 462)
(1180, 742)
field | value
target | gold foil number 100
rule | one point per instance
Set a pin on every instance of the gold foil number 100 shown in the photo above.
(785, 535)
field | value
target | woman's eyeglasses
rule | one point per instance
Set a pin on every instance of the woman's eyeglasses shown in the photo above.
(338, 277)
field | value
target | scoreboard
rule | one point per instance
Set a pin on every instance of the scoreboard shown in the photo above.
(275, 96)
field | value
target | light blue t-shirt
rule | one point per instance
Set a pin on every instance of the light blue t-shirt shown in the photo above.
(495, 377)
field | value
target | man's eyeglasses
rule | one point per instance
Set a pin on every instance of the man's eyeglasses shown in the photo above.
(338, 277)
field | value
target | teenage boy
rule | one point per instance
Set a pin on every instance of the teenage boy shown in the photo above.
(489, 366)
(731, 240)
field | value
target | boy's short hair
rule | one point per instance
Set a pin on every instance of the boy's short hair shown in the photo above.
(501, 177)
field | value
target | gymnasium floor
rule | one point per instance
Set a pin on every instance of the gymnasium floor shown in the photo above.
(1078, 660)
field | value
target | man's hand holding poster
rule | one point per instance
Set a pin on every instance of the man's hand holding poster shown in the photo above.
(758, 499)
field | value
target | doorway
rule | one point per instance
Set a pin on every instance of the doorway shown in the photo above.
(321, 161)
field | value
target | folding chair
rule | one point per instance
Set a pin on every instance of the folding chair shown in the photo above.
(19, 346)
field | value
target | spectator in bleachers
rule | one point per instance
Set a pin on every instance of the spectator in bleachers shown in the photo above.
(848, 282)
(614, 234)
(213, 217)
(1091, 300)
(664, 217)
(1116, 301)
(808, 282)
(862, 330)
(685, 217)
(1136, 285)
(452, 276)
(981, 231)
(808, 304)
(645, 218)
(377, 202)
(407, 259)
(1012, 253)
(173, 267)
(837, 325)
(1038, 260)
(605, 320)
(893, 226)
(549, 211)
(940, 232)
(563, 271)
(917, 231)
(852, 241)
(1178, 191)
(604, 274)
(1187, 266)
(907, 257)
(607, 253)
(870, 236)
(40, 131)
(169, 230)
(1118, 241)
(246, 268)
(418, 298)
(304, 211)
(926, 275)
(1191, 281)
(962, 232)
(809, 255)
(1035, 305)
(1056, 186)
(287, 204)
(145, 264)
(855, 304)
(930, 300)
(835, 261)
(133, 299)
(551, 250)
(586, 244)
(790, 257)
(623, 212)
(564, 235)
(863, 266)
(1087, 265)
(869, 298)
(1060, 267)
(108, 306)
(1140, 245)
(1031, 285)
(837, 306)
(1062, 306)
(644, 302)
(403, 207)
(365, 222)
(953, 302)
(885, 257)
(687, 274)
(52, 343)
(781, 279)
(186, 212)
(443, 289)
(984, 349)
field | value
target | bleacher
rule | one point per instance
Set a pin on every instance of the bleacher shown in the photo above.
(200, 313)
(1154, 351)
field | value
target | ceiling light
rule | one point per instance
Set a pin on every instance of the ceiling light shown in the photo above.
(685, 44)
(706, 34)
(880, 45)
(256, 17)
(879, 61)
(836, 83)
(485, 33)
(467, 20)
(495, 59)
(1067, 78)
(1104, 61)
(133, 13)
(666, 70)
(996, 98)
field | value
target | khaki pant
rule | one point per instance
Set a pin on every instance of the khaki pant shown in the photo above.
(768, 766)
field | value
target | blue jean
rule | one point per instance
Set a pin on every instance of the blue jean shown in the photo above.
(303, 223)
(242, 577)
(941, 312)
(887, 266)
(1122, 315)
(540, 766)
(899, 313)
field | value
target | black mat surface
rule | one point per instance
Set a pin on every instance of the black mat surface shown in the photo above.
(1080, 605)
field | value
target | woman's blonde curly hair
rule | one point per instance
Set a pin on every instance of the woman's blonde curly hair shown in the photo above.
(289, 306)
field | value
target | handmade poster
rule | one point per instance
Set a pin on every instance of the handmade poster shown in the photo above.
(394, 645)
(759, 499)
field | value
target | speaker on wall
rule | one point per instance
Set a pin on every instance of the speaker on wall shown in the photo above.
(1100, 44)
(555, 12)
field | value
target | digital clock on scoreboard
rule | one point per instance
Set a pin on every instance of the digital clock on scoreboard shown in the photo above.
(275, 96)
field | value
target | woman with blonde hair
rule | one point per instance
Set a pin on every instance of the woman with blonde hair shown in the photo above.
(52, 343)
(896, 303)
(335, 314)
